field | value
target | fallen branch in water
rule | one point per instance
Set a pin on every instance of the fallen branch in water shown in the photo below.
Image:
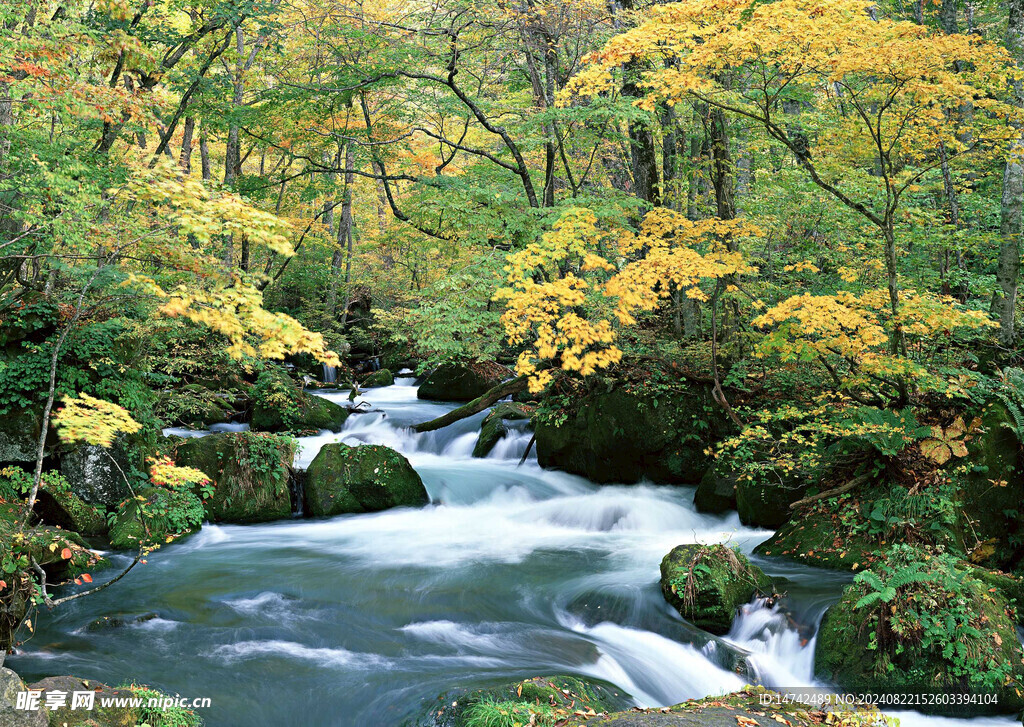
(484, 401)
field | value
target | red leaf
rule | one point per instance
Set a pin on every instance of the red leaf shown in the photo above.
(66, 554)
(87, 578)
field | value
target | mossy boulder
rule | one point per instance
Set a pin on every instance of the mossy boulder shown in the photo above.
(153, 516)
(462, 381)
(811, 540)
(921, 624)
(716, 492)
(766, 503)
(493, 428)
(19, 435)
(97, 474)
(250, 474)
(307, 412)
(99, 716)
(629, 433)
(383, 377)
(752, 706)
(552, 696)
(707, 584)
(994, 455)
(71, 512)
(368, 478)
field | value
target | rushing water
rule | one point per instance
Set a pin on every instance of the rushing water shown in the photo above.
(512, 571)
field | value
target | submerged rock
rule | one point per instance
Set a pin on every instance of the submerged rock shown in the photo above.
(921, 625)
(462, 381)
(493, 428)
(383, 377)
(707, 584)
(367, 478)
(551, 696)
(250, 474)
(626, 434)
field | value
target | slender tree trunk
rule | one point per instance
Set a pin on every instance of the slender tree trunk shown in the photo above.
(186, 144)
(1008, 264)
(204, 153)
(343, 246)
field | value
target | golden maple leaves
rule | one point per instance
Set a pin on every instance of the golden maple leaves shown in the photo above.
(565, 290)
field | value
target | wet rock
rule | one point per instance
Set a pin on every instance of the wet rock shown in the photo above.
(493, 428)
(104, 623)
(716, 492)
(155, 515)
(368, 478)
(10, 686)
(250, 474)
(707, 584)
(97, 474)
(627, 434)
(559, 695)
(462, 381)
(71, 512)
(19, 435)
(921, 625)
(383, 377)
(99, 716)
(726, 711)
(309, 413)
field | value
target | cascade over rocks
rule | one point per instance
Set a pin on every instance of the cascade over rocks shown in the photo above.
(462, 381)
(250, 474)
(493, 428)
(367, 478)
(625, 434)
(707, 584)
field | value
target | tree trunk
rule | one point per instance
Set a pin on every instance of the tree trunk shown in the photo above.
(204, 153)
(343, 246)
(185, 160)
(1008, 266)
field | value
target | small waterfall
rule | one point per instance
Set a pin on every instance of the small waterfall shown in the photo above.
(781, 650)
(297, 492)
(330, 374)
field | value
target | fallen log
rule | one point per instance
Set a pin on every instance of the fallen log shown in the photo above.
(484, 401)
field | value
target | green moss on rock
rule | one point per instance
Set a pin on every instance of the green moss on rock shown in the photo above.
(71, 512)
(368, 478)
(707, 584)
(630, 433)
(560, 696)
(153, 516)
(309, 412)
(383, 377)
(462, 381)
(920, 624)
(716, 492)
(250, 474)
